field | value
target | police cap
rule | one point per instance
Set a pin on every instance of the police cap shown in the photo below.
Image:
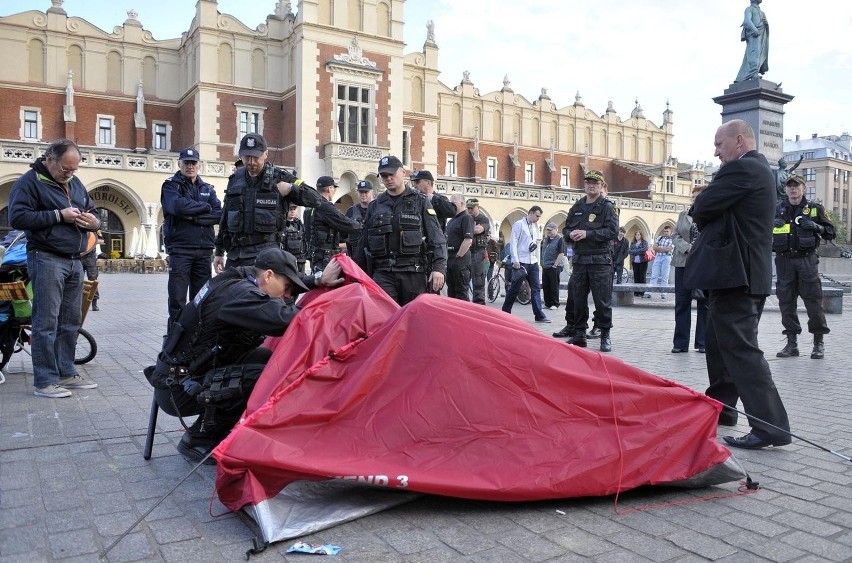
(281, 262)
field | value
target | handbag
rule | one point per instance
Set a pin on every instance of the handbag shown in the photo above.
(650, 254)
(716, 263)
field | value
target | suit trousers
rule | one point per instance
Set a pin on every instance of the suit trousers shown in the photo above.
(683, 314)
(736, 366)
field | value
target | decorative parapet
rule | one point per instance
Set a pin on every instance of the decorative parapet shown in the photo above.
(358, 152)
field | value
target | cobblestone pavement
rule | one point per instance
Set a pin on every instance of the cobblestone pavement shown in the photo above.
(72, 477)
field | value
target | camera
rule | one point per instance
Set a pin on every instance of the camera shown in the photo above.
(533, 246)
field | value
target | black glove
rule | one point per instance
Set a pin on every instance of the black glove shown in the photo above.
(809, 225)
(778, 223)
(305, 194)
(284, 175)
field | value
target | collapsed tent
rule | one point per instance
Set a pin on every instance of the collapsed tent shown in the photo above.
(450, 398)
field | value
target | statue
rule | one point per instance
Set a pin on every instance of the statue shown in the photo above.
(756, 36)
(782, 175)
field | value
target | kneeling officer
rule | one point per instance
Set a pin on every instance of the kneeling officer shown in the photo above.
(212, 357)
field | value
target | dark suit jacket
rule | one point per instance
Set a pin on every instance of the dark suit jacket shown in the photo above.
(745, 188)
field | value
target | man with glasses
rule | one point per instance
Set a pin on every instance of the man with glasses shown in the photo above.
(190, 209)
(51, 205)
(400, 231)
(524, 250)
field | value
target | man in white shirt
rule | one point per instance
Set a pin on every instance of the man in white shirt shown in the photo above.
(524, 241)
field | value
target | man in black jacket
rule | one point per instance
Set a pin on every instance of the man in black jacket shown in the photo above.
(327, 226)
(742, 191)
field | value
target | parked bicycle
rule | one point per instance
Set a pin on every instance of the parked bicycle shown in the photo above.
(497, 286)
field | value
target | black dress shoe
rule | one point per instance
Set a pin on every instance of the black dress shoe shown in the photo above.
(195, 449)
(564, 333)
(679, 350)
(701, 350)
(752, 442)
(606, 343)
(578, 340)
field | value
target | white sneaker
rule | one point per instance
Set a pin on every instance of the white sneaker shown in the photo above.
(52, 391)
(77, 382)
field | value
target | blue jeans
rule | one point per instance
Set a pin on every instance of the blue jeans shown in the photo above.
(57, 313)
(660, 269)
(533, 277)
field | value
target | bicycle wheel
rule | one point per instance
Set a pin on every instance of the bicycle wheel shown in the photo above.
(494, 286)
(86, 347)
(525, 295)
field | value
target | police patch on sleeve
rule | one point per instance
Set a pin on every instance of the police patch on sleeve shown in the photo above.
(431, 211)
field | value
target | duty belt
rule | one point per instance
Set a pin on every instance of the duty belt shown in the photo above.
(797, 253)
(397, 263)
(251, 240)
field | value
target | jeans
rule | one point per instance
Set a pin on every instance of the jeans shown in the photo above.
(532, 276)
(660, 269)
(57, 313)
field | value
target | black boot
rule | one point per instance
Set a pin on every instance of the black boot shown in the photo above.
(791, 349)
(95, 305)
(606, 343)
(818, 352)
(566, 332)
(579, 339)
(594, 333)
(197, 442)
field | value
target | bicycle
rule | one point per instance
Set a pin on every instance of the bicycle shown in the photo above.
(497, 287)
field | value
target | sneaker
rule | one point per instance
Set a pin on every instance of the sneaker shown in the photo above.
(52, 391)
(543, 320)
(77, 382)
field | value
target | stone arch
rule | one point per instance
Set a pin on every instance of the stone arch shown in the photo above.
(226, 63)
(536, 132)
(74, 55)
(636, 224)
(114, 71)
(455, 120)
(383, 19)
(417, 94)
(258, 68)
(149, 76)
(36, 61)
(496, 126)
(354, 16)
(325, 13)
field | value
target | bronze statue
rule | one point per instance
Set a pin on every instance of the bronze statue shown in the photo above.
(756, 36)
(782, 175)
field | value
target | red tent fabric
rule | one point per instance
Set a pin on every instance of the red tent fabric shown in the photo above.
(447, 397)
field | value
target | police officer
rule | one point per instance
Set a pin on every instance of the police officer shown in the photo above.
(190, 210)
(216, 343)
(256, 204)
(481, 233)
(592, 223)
(327, 225)
(400, 229)
(424, 182)
(799, 225)
(459, 240)
(357, 213)
(294, 237)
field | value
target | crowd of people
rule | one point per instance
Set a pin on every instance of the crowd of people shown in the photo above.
(412, 240)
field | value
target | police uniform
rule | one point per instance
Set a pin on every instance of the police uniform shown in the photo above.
(357, 214)
(459, 228)
(327, 224)
(591, 264)
(795, 242)
(294, 241)
(477, 251)
(398, 233)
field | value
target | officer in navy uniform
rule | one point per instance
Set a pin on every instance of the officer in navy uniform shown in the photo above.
(217, 338)
(459, 240)
(798, 227)
(255, 206)
(327, 225)
(591, 225)
(481, 233)
(294, 237)
(424, 182)
(357, 213)
(400, 230)
(190, 210)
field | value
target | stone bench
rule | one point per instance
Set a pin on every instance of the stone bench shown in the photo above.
(832, 297)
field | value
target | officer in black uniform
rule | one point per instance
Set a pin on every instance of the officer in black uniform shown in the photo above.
(459, 240)
(424, 182)
(212, 353)
(592, 223)
(256, 203)
(400, 229)
(327, 226)
(190, 210)
(294, 237)
(481, 233)
(357, 213)
(799, 225)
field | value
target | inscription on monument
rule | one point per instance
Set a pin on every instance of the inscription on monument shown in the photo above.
(771, 134)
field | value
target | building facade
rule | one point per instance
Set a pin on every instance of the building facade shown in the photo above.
(332, 90)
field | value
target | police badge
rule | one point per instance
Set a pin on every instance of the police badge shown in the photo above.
(592, 216)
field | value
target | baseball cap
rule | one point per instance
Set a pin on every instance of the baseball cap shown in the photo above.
(795, 179)
(389, 165)
(594, 176)
(281, 262)
(325, 181)
(189, 154)
(253, 144)
(550, 226)
(365, 186)
(423, 175)
(472, 202)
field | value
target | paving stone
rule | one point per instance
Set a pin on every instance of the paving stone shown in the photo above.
(70, 544)
(408, 540)
(701, 545)
(830, 550)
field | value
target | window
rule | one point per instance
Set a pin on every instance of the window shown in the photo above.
(450, 169)
(836, 194)
(106, 131)
(162, 136)
(529, 173)
(810, 174)
(809, 156)
(564, 177)
(491, 168)
(249, 122)
(810, 193)
(406, 153)
(670, 184)
(354, 114)
(30, 124)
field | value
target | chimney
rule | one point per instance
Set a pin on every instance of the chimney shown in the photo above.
(797, 138)
(813, 136)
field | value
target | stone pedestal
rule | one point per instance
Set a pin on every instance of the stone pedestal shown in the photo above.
(760, 103)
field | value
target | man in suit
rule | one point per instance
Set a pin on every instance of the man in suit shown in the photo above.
(743, 190)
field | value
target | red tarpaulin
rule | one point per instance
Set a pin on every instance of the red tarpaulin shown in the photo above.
(451, 398)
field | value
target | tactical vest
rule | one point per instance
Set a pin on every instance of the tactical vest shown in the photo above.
(395, 232)
(789, 236)
(323, 238)
(252, 215)
(293, 239)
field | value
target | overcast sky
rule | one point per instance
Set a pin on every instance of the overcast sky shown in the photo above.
(655, 50)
